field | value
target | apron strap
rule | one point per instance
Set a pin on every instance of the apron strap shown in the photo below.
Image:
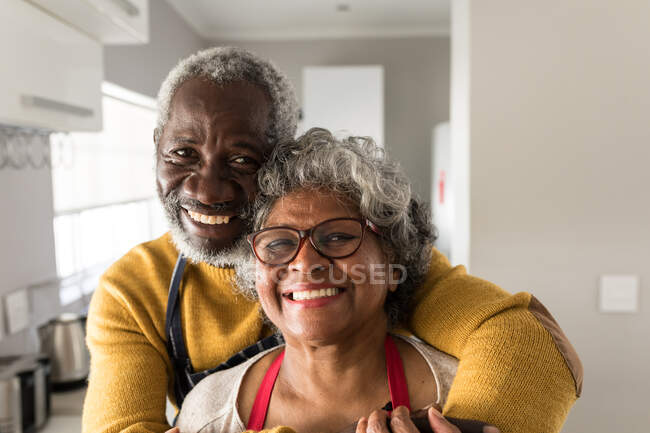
(176, 348)
(263, 397)
(397, 386)
(399, 393)
(185, 378)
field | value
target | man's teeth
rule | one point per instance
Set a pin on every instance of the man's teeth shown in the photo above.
(208, 219)
(314, 294)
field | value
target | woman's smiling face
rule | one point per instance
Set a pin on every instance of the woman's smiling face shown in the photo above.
(352, 290)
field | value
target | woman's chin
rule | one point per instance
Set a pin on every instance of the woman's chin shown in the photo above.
(319, 335)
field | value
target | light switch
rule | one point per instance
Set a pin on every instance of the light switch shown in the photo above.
(17, 310)
(2, 321)
(619, 293)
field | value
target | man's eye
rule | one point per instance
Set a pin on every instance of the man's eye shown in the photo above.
(244, 160)
(184, 153)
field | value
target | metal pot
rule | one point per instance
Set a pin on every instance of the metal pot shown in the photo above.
(11, 415)
(26, 374)
(40, 365)
(64, 340)
(23, 398)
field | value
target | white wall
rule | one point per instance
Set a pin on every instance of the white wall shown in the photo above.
(362, 89)
(460, 128)
(27, 238)
(142, 68)
(416, 78)
(560, 149)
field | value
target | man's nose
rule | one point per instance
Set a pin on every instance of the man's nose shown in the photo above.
(211, 184)
(308, 260)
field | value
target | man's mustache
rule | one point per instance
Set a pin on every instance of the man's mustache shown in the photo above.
(176, 200)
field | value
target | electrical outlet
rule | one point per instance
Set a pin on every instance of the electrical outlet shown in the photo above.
(17, 310)
(619, 293)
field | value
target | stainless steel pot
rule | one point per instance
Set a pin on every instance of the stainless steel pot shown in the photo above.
(40, 365)
(26, 373)
(25, 410)
(11, 416)
(64, 341)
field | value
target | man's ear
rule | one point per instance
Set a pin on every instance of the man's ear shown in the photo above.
(156, 136)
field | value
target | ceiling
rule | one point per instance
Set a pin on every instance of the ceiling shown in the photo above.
(314, 19)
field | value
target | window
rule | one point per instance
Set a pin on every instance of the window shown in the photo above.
(104, 189)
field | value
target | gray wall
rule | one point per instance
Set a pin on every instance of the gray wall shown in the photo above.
(416, 87)
(142, 68)
(560, 147)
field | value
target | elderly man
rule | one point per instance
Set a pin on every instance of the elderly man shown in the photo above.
(165, 314)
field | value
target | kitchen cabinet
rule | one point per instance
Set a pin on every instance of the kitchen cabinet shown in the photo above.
(51, 73)
(107, 21)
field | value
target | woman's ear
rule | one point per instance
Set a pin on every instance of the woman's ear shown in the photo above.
(395, 275)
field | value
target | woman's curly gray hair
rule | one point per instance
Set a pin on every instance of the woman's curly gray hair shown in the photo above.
(358, 170)
(227, 64)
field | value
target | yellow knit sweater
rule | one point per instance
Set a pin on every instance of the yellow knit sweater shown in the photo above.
(516, 370)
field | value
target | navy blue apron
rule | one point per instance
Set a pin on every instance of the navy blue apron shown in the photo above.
(185, 378)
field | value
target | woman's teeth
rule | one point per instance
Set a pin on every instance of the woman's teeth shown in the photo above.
(208, 219)
(314, 294)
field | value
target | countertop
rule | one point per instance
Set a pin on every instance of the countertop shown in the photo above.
(66, 412)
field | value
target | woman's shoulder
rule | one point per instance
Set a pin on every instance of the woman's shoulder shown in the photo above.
(442, 365)
(212, 403)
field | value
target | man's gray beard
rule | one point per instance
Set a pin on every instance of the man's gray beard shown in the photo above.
(237, 254)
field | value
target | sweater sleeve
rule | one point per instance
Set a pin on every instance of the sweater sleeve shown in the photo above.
(128, 374)
(517, 370)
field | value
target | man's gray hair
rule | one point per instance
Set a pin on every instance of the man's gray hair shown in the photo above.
(223, 65)
(357, 169)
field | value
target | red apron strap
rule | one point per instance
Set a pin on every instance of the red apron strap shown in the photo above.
(399, 393)
(261, 405)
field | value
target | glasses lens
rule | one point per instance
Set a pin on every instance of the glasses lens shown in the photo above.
(338, 238)
(276, 246)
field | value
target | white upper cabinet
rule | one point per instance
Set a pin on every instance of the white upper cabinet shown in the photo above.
(51, 74)
(107, 21)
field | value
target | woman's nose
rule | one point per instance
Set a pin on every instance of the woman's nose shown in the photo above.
(308, 260)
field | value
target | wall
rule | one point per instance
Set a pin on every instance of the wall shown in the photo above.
(559, 100)
(459, 157)
(27, 251)
(416, 92)
(142, 68)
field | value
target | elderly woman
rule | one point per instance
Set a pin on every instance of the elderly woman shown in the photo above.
(340, 244)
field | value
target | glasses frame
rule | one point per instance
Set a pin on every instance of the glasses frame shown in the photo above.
(307, 234)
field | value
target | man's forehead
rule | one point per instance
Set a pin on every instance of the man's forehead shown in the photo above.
(198, 100)
(202, 92)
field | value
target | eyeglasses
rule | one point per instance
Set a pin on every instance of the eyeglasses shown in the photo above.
(335, 238)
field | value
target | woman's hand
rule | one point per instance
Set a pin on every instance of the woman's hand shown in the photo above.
(401, 422)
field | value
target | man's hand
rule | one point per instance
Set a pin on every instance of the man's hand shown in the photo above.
(424, 421)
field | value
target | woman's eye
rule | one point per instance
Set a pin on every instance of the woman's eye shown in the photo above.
(280, 245)
(338, 237)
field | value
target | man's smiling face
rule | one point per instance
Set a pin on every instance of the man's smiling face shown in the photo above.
(207, 160)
